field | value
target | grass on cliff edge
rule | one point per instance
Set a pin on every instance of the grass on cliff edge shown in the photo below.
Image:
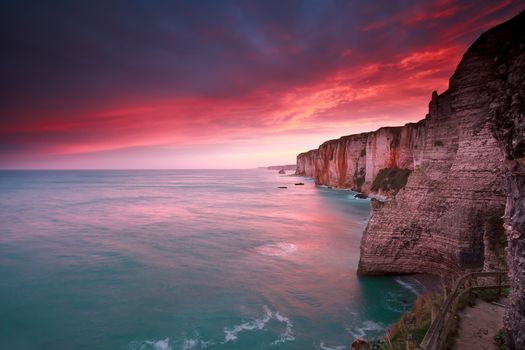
(412, 326)
(490, 295)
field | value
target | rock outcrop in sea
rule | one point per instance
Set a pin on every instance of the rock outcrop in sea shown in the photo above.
(449, 179)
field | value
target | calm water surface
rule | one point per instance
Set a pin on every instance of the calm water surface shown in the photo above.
(185, 259)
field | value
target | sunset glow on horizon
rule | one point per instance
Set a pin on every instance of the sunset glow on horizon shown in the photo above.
(143, 85)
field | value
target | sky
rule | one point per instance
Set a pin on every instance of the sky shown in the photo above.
(146, 84)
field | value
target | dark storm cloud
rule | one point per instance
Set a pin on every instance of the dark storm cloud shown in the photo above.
(84, 50)
(68, 65)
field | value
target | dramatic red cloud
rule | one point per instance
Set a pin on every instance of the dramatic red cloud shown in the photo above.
(282, 93)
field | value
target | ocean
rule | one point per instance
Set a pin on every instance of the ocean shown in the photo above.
(185, 259)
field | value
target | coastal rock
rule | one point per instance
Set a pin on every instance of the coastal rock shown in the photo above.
(443, 177)
(465, 170)
(282, 171)
(354, 161)
(503, 51)
(435, 223)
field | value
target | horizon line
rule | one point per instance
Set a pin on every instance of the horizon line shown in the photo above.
(114, 169)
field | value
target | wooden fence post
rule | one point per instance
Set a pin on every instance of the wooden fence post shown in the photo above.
(442, 319)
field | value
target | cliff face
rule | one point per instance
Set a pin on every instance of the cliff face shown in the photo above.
(466, 168)
(355, 161)
(458, 189)
(506, 62)
(443, 176)
(434, 223)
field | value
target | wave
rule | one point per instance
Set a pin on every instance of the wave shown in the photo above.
(367, 328)
(231, 335)
(192, 343)
(406, 285)
(277, 249)
(257, 324)
(287, 335)
(163, 344)
(336, 347)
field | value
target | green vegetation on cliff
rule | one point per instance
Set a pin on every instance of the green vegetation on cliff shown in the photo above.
(409, 331)
(390, 180)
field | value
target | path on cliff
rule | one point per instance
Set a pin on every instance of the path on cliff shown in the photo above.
(479, 324)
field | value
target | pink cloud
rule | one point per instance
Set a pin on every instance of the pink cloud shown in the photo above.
(266, 116)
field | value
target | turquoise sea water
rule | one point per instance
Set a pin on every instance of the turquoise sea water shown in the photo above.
(185, 259)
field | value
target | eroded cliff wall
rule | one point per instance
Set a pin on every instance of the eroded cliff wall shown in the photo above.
(443, 180)
(435, 223)
(466, 168)
(443, 217)
(447, 219)
(506, 60)
(354, 161)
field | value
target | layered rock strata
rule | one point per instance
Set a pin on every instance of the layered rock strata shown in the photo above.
(454, 187)
(438, 218)
(457, 190)
(466, 165)
(355, 161)
(502, 50)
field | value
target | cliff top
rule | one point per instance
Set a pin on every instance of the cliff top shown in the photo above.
(364, 134)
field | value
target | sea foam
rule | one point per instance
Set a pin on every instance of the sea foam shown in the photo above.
(367, 327)
(192, 343)
(163, 344)
(326, 347)
(287, 335)
(407, 286)
(231, 334)
(257, 324)
(277, 249)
